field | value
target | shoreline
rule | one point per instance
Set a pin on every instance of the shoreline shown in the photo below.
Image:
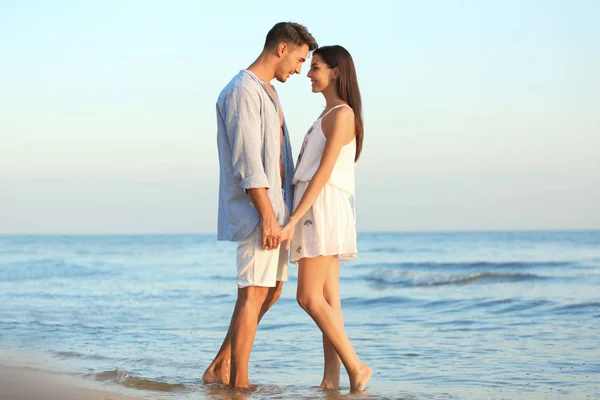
(29, 383)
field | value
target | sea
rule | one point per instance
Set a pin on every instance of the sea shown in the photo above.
(440, 315)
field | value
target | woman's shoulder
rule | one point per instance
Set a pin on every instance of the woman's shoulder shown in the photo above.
(340, 114)
(339, 120)
(342, 111)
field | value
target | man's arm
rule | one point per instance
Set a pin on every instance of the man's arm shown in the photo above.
(243, 125)
(271, 231)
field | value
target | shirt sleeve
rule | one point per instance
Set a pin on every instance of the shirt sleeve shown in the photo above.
(243, 125)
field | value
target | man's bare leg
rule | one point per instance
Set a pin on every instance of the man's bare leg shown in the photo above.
(219, 370)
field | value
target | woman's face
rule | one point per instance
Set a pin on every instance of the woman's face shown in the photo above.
(320, 74)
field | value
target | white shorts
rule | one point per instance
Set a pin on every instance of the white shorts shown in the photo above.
(257, 266)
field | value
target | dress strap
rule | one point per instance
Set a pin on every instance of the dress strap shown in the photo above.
(333, 108)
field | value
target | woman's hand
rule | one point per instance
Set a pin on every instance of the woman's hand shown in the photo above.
(287, 233)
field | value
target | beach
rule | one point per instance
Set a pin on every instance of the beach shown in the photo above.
(21, 383)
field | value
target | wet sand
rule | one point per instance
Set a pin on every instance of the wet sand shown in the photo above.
(23, 383)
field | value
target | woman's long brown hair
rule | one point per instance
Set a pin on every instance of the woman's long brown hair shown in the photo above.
(347, 86)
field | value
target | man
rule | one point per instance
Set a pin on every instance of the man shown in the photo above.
(255, 190)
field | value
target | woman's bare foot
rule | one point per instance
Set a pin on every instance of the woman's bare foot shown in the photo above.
(218, 373)
(359, 381)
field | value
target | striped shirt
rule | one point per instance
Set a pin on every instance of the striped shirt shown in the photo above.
(248, 141)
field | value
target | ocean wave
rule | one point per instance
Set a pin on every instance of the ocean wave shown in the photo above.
(389, 300)
(389, 250)
(420, 279)
(74, 354)
(66, 354)
(466, 265)
(515, 264)
(126, 379)
(577, 308)
(44, 269)
(522, 305)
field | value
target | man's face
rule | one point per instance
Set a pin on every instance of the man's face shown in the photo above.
(291, 60)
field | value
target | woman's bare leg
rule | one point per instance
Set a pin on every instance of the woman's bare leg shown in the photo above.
(312, 274)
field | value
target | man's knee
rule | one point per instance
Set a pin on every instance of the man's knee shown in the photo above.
(253, 296)
(275, 293)
(272, 297)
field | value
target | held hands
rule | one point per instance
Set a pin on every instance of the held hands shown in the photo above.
(271, 234)
(287, 233)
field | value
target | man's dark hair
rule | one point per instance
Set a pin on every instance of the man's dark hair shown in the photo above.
(291, 33)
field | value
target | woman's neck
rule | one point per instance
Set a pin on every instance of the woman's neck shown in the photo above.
(331, 98)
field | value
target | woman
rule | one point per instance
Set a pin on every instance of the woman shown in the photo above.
(321, 231)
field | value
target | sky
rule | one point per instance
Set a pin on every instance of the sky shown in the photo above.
(479, 115)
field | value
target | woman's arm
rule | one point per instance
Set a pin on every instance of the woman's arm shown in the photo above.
(338, 131)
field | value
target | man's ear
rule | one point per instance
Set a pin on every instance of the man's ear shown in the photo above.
(282, 49)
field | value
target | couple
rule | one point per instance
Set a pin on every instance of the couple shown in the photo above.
(256, 195)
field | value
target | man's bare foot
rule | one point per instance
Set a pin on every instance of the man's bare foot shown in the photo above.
(218, 373)
(360, 380)
(242, 385)
(327, 384)
(331, 377)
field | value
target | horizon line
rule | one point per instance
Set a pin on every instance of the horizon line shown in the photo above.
(490, 230)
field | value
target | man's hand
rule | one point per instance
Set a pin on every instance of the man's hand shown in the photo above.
(271, 233)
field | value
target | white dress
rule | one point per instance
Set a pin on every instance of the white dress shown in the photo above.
(329, 226)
